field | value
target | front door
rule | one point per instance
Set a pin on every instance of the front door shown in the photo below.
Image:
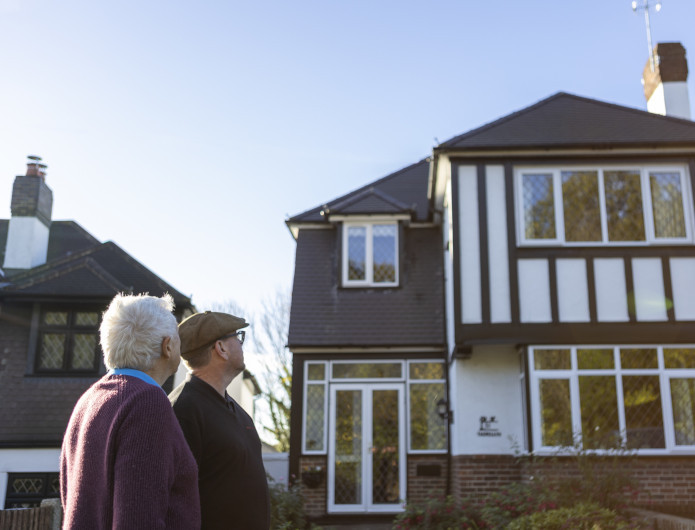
(366, 462)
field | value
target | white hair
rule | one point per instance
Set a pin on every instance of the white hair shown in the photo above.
(133, 328)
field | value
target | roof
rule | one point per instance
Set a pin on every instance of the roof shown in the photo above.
(566, 120)
(404, 191)
(79, 266)
(323, 314)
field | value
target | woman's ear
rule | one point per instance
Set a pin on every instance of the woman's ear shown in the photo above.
(166, 348)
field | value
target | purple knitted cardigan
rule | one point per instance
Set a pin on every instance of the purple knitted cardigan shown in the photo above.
(125, 463)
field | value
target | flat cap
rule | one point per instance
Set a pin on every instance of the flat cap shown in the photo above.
(202, 329)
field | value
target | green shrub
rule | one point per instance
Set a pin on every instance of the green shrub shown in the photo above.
(439, 514)
(286, 507)
(500, 508)
(583, 516)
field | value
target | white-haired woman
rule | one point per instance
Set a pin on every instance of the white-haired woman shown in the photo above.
(124, 461)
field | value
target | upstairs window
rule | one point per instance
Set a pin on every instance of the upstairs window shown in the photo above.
(610, 205)
(370, 254)
(68, 342)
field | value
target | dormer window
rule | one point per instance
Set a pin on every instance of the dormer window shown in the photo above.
(370, 254)
(604, 205)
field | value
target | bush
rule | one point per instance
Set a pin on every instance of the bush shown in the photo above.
(500, 508)
(583, 516)
(286, 507)
(439, 514)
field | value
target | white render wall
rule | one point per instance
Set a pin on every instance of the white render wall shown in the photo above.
(27, 243)
(488, 385)
(670, 99)
(26, 461)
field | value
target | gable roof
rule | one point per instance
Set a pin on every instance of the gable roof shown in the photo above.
(573, 121)
(404, 191)
(79, 266)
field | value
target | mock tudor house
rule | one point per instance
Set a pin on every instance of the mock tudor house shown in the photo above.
(56, 281)
(528, 287)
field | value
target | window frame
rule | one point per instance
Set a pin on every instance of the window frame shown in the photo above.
(572, 375)
(647, 206)
(369, 224)
(69, 330)
(30, 499)
(329, 380)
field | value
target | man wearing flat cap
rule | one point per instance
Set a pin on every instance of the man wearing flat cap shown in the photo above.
(222, 437)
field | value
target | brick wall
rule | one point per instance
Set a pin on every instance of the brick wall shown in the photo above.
(659, 481)
(477, 475)
(315, 499)
(426, 477)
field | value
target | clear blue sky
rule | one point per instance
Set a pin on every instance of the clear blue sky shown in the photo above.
(186, 131)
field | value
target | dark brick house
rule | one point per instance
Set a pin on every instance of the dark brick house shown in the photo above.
(55, 281)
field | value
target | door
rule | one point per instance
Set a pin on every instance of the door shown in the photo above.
(366, 457)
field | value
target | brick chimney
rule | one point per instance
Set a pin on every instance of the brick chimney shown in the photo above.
(666, 87)
(31, 207)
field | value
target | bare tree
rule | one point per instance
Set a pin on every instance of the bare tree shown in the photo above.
(269, 334)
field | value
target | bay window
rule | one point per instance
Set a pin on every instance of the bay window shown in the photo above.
(604, 205)
(602, 397)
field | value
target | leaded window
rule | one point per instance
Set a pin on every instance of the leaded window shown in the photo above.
(68, 341)
(370, 254)
(27, 490)
(602, 397)
(604, 205)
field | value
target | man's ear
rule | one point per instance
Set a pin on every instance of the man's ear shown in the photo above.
(220, 349)
(166, 347)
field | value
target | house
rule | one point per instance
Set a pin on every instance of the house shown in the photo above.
(527, 287)
(56, 281)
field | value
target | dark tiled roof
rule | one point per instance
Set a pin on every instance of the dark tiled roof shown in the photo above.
(64, 237)
(325, 315)
(100, 271)
(399, 192)
(573, 121)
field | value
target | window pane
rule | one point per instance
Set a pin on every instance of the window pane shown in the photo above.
(52, 351)
(539, 206)
(427, 428)
(683, 401)
(679, 357)
(316, 372)
(599, 406)
(427, 370)
(83, 351)
(556, 412)
(624, 205)
(644, 420)
(385, 447)
(384, 252)
(366, 371)
(315, 421)
(348, 447)
(595, 359)
(90, 319)
(581, 206)
(667, 204)
(551, 359)
(55, 318)
(638, 358)
(357, 252)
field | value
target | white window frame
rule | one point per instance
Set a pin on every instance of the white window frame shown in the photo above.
(411, 382)
(315, 382)
(329, 381)
(644, 170)
(368, 224)
(665, 376)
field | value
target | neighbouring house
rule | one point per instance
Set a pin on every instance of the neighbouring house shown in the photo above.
(527, 287)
